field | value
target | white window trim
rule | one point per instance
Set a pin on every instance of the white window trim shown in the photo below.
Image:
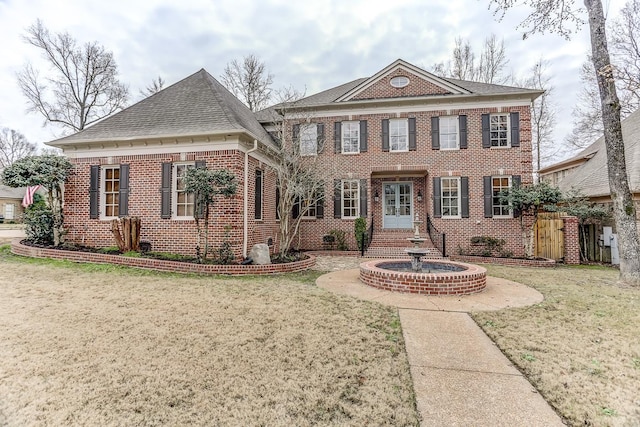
(456, 120)
(499, 147)
(406, 126)
(342, 136)
(510, 215)
(306, 216)
(103, 196)
(174, 192)
(357, 198)
(443, 216)
(304, 127)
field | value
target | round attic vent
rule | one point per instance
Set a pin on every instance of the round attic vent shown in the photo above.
(400, 81)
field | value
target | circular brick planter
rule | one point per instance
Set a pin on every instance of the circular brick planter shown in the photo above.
(161, 265)
(471, 280)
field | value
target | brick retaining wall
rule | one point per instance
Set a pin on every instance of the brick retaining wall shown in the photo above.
(160, 265)
(518, 262)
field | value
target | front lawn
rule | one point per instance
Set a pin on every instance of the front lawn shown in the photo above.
(106, 345)
(580, 347)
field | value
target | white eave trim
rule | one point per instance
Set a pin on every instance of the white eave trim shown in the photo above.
(400, 64)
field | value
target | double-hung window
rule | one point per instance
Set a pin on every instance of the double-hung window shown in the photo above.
(309, 208)
(308, 139)
(398, 135)
(499, 130)
(500, 208)
(449, 136)
(350, 198)
(110, 191)
(450, 195)
(183, 202)
(350, 137)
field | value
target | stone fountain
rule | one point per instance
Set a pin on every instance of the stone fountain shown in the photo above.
(416, 251)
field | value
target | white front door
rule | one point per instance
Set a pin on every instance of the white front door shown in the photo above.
(397, 205)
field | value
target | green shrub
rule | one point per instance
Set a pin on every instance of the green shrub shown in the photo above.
(38, 220)
(341, 239)
(225, 255)
(360, 228)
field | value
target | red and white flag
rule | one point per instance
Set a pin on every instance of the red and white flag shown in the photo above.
(27, 200)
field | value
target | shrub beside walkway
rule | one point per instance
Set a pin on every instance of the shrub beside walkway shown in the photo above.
(460, 377)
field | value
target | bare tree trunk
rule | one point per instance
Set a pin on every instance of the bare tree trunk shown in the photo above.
(623, 208)
(115, 229)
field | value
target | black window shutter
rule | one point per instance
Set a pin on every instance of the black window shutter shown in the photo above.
(462, 127)
(320, 208)
(295, 210)
(515, 129)
(488, 197)
(94, 190)
(165, 191)
(412, 134)
(516, 181)
(337, 137)
(363, 198)
(464, 200)
(123, 192)
(199, 209)
(363, 136)
(296, 133)
(435, 132)
(385, 135)
(277, 202)
(437, 198)
(320, 137)
(259, 185)
(486, 132)
(337, 199)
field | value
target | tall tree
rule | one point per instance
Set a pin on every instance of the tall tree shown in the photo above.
(154, 87)
(587, 112)
(81, 86)
(543, 115)
(491, 68)
(50, 171)
(300, 176)
(560, 16)
(249, 80)
(14, 146)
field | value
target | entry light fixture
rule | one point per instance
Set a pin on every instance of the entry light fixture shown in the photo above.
(419, 195)
(376, 197)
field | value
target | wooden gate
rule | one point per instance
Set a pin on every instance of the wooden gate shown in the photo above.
(549, 236)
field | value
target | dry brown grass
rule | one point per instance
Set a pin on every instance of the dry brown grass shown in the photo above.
(580, 347)
(93, 345)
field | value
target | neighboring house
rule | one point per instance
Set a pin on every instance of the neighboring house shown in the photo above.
(400, 143)
(588, 171)
(11, 203)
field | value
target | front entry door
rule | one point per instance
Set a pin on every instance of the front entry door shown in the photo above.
(397, 205)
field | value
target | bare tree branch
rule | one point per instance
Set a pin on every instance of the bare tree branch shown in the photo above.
(154, 87)
(249, 81)
(14, 146)
(82, 86)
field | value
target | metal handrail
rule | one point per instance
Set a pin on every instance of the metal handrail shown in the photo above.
(437, 238)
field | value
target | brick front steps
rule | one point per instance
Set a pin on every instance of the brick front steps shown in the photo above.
(161, 265)
(518, 262)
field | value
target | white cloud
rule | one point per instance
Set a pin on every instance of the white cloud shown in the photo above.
(314, 44)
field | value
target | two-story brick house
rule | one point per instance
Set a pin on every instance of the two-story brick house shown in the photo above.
(399, 144)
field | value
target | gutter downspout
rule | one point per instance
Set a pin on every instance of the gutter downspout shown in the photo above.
(245, 238)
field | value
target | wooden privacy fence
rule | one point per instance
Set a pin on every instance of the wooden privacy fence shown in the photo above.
(549, 236)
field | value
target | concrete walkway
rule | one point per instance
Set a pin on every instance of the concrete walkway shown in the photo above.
(460, 377)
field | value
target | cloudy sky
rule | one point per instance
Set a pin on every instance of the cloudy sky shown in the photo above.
(311, 44)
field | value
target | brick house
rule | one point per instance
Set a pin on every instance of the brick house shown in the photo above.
(400, 144)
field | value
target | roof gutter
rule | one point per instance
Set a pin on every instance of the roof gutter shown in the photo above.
(245, 234)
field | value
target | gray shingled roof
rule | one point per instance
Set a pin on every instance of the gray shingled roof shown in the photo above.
(592, 176)
(11, 193)
(329, 96)
(198, 104)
